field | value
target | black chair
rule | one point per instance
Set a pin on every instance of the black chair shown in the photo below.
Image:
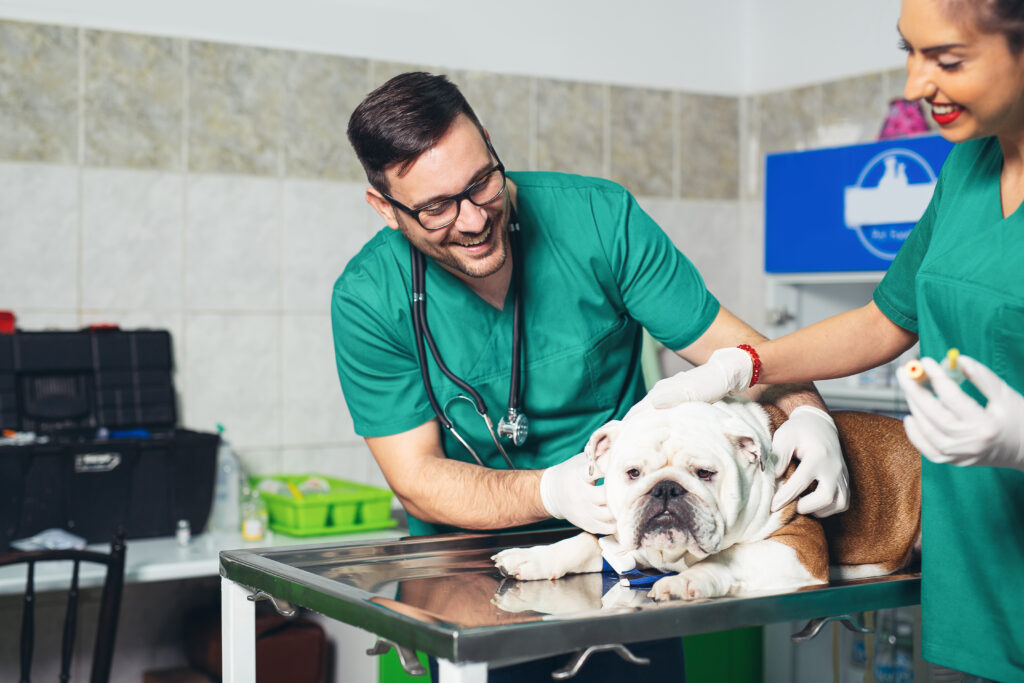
(110, 606)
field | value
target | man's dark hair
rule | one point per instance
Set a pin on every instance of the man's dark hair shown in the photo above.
(402, 119)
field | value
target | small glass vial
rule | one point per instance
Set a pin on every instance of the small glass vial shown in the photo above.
(254, 516)
(183, 533)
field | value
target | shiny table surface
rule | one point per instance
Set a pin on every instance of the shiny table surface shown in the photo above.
(442, 595)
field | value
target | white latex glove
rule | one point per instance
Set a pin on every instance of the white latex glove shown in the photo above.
(811, 436)
(568, 492)
(727, 371)
(951, 428)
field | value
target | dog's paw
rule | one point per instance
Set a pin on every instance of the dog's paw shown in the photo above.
(693, 584)
(516, 597)
(571, 594)
(621, 597)
(529, 564)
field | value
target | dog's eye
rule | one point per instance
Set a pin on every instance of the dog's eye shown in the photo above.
(633, 473)
(705, 475)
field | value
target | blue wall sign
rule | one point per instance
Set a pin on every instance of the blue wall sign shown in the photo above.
(847, 208)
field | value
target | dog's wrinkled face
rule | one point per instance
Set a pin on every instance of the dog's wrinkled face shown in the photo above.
(677, 479)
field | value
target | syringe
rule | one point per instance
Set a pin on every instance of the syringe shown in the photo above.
(915, 370)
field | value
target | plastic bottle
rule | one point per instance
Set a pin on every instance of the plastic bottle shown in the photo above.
(254, 515)
(183, 533)
(903, 655)
(885, 646)
(226, 499)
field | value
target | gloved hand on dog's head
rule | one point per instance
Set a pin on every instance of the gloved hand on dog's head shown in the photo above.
(726, 371)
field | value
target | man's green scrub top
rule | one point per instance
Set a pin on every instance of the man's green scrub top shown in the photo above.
(596, 270)
(958, 283)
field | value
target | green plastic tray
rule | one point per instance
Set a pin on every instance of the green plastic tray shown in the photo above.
(347, 508)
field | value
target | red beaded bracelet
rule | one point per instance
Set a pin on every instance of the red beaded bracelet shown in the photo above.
(755, 359)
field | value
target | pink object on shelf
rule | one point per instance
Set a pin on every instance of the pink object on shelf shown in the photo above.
(904, 118)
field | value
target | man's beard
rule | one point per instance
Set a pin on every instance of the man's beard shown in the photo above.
(446, 256)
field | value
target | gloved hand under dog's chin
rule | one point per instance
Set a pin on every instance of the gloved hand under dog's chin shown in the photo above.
(569, 491)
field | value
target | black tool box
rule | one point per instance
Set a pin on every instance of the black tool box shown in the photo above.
(107, 454)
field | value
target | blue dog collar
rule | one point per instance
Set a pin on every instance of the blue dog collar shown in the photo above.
(634, 578)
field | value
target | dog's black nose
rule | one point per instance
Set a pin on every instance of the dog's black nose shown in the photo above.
(667, 490)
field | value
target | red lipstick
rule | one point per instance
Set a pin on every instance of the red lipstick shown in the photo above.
(948, 117)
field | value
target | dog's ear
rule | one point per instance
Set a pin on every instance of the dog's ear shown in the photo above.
(599, 444)
(750, 448)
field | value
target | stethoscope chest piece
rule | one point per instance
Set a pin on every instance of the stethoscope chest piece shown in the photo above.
(515, 426)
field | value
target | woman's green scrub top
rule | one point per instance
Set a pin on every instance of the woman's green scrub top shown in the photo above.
(596, 269)
(957, 282)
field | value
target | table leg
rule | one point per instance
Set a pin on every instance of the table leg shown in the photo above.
(238, 633)
(465, 672)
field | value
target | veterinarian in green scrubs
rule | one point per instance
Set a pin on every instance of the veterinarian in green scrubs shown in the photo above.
(956, 283)
(583, 237)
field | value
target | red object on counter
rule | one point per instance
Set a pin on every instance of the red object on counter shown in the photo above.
(95, 327)
(6, 322)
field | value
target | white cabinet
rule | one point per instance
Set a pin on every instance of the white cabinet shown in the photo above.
(795, 300)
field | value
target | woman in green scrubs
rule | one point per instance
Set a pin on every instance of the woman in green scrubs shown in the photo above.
(956, 283)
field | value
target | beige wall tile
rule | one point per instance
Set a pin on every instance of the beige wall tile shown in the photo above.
(781, 121)
(642, 140)
(38, 92)
(751, 158)
(570, 127)
(235, 103)
(895, 82)
(383, 71)
(134, 97)
(322, 92)
(709, 149)
(852, 110)
(788, 119)
(503, 105)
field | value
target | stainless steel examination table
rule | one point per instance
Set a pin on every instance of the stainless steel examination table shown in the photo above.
(441, 595)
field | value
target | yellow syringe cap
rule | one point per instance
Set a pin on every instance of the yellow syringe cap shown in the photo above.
(951, 358)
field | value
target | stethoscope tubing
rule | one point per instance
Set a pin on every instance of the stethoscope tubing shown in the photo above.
(422, 333)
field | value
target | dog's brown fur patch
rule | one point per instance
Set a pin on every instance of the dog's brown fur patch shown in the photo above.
(883, 533)
(883, 523)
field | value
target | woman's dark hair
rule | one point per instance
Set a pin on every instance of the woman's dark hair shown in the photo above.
(994, 16)
(402, 119)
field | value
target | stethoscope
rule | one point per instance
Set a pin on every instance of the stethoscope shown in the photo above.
(514, 424)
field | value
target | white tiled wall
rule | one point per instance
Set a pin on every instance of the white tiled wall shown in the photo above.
(131, 240)
(238, 268)
(233, 231)
(39, 205)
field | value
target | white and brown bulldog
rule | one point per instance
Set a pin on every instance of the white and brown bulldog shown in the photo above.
(691, 490)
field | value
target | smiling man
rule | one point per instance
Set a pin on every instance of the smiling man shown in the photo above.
(532, 290)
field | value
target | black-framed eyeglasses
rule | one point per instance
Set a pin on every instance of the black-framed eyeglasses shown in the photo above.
(442, 213)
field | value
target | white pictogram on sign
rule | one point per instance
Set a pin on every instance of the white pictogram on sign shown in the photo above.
(887, 200)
